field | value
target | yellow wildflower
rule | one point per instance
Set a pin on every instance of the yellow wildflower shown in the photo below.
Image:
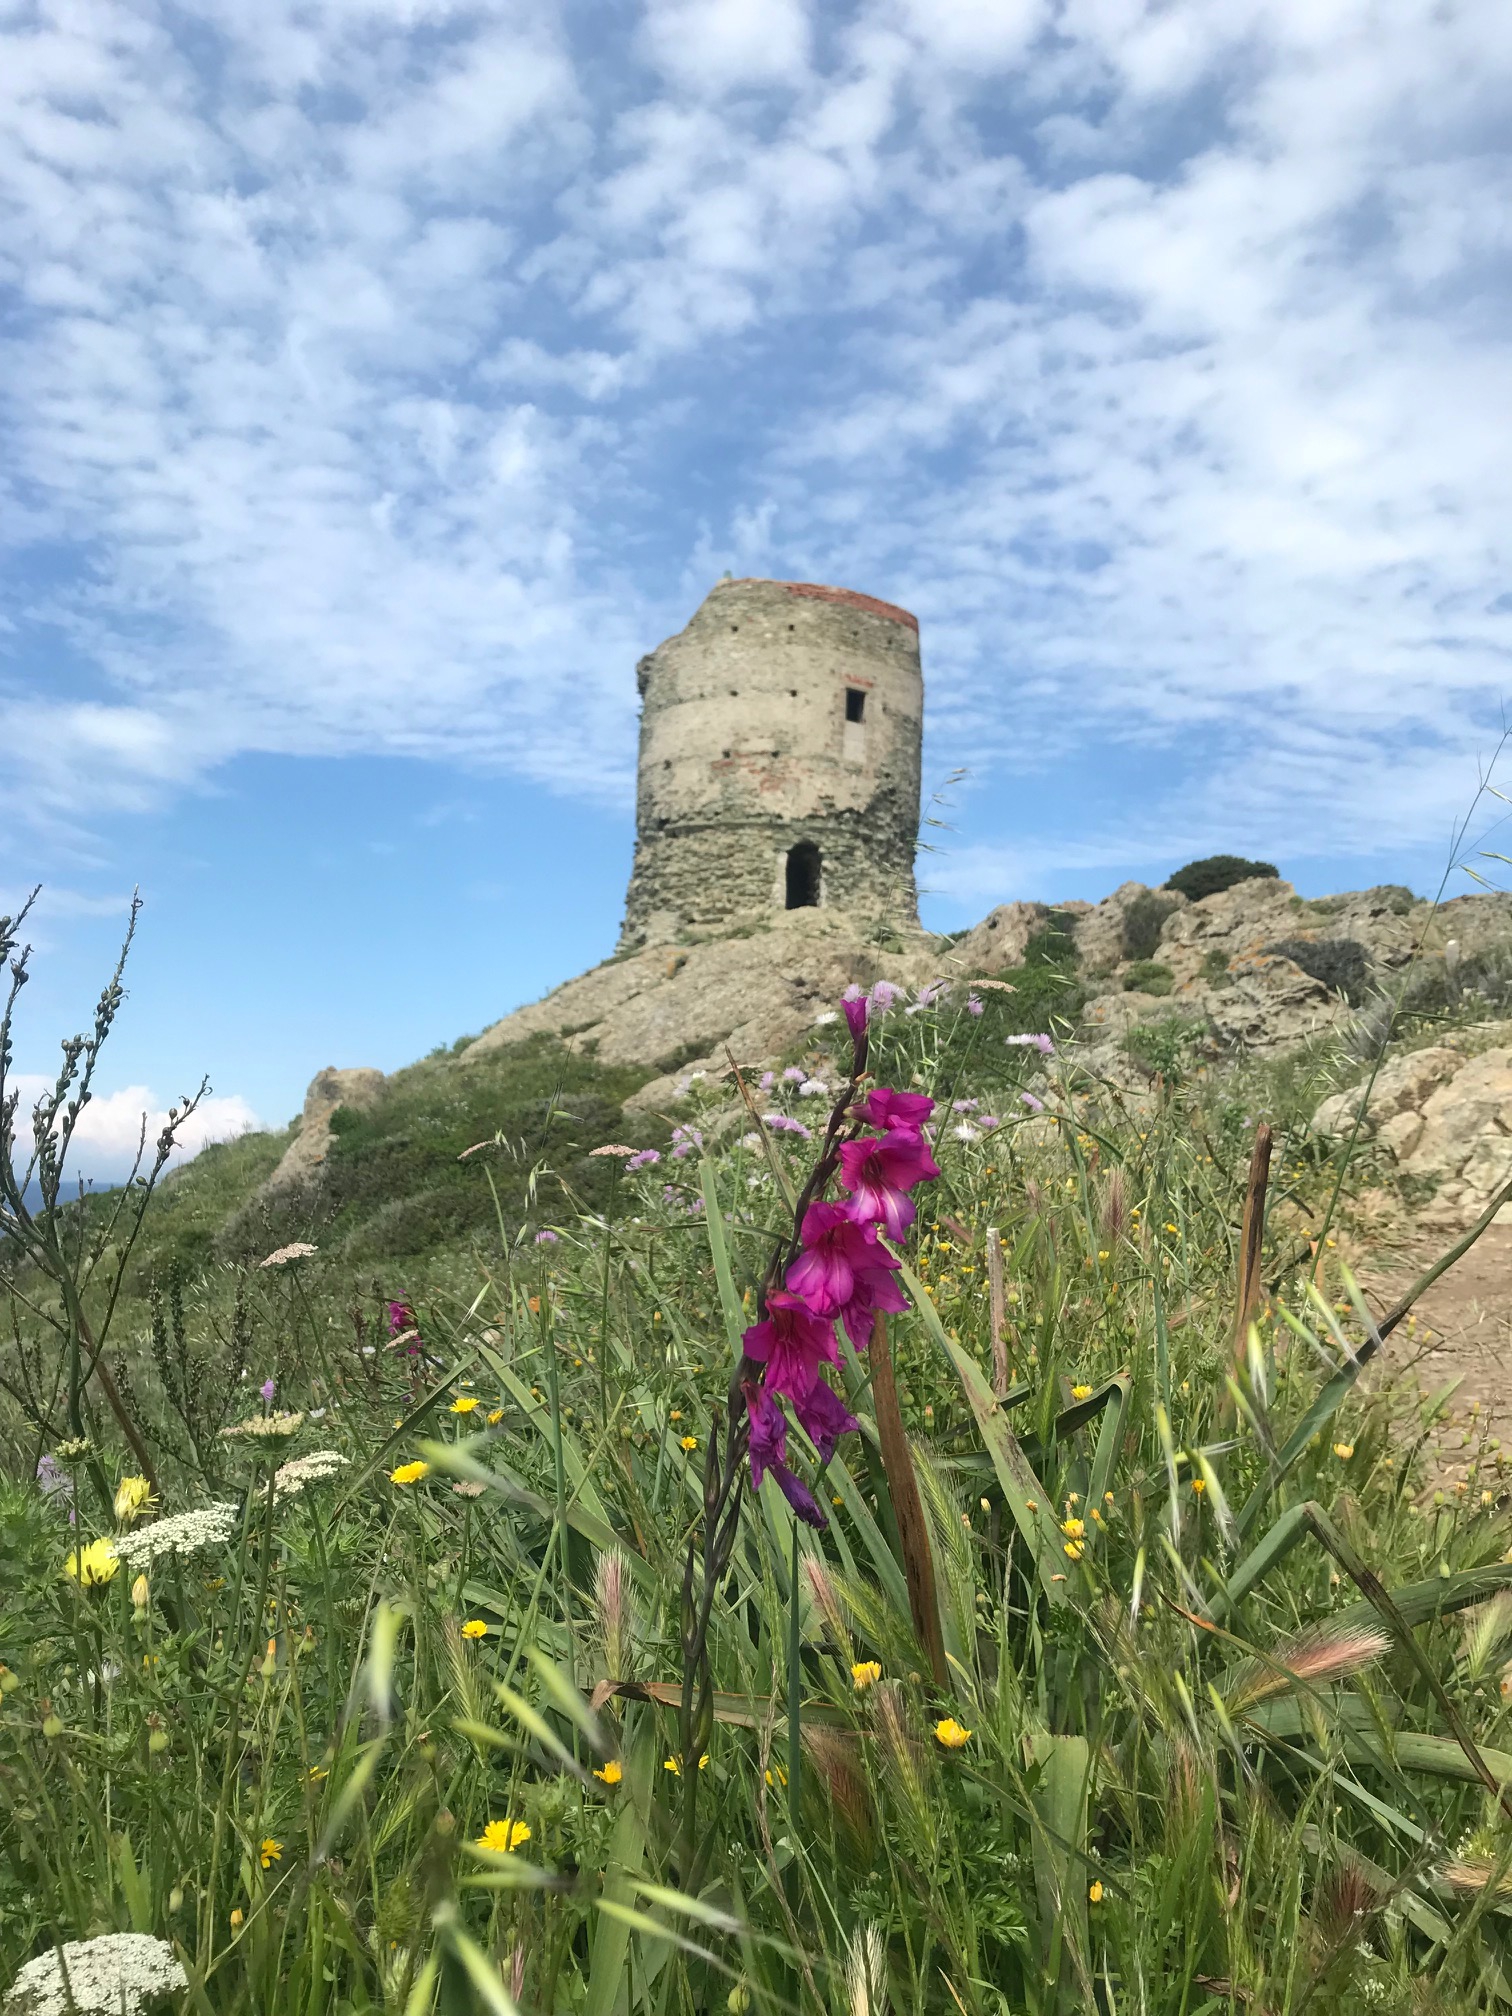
(612, 1772)
(496, 1417)
(1081, 1392)
(92, 1566)
(1199, 1486)
(270, 1852)
(237, 1918)
(951, 1734)
(1074, 1549)
(475, 1628)
(502, 1837)
(465, 1403)
(409, 1473)
(141, 1593)
(865, 1675)
(671, 1764)
(1073, 1528)
(133, 1497)
(690, 1441)
(675, 1415)
(1343, 1450)
(1095, 1894)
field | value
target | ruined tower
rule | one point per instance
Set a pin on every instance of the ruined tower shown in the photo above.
(779, 763)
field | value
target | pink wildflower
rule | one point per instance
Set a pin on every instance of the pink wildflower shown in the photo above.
(884, 1108)
(880, 1171)
(792, 1343)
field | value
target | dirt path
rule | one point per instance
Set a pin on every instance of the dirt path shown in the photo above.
(1463, 1333)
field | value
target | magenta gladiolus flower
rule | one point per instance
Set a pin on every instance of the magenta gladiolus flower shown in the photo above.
(768, 1447)
(855, 1006)
(401, 1317)
(792, 1343)
(824, 1417)
(845, 1271)
(880, 1171)
(890, 1110)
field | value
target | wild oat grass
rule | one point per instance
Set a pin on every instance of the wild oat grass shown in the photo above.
(1218, 1720)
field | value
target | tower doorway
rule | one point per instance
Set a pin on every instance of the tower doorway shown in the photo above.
(803, 865)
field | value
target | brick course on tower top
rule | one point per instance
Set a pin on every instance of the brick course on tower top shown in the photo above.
(779, 764)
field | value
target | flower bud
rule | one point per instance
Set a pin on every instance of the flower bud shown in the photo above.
(141, 1593)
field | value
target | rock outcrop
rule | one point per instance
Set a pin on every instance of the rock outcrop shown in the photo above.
(1444, 1115)
(678, 1006)
(358, 1087)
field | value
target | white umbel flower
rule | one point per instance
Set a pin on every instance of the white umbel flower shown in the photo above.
(289, 1479)
(117, 1975)
(185, 1533)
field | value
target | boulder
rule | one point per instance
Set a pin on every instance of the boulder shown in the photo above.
(357, 1087)
(999, 940)
(1401, 1087)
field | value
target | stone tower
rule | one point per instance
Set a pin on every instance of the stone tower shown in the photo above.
(779, 764)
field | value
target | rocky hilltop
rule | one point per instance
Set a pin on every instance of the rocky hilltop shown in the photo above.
(1253, 968)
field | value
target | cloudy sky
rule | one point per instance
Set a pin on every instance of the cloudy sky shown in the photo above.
(378, 381)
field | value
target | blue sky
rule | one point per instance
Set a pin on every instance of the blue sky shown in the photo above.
(378, 382)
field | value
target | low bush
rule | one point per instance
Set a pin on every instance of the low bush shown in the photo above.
(1217, 872)
(1342, 964)
(1148, 976)
(1054, 943)
(1142, 923)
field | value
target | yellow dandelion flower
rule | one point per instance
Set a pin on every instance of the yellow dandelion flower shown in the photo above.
(1081, 1392)
(1074, 1549)
(951, 1734)
(475, 1628)
(671, 1764)
(496, 1417)
(1073, 1528)
(612, 1772)
(1095, 1894)
(465, 1403)
(133, 1497)
(1199, 1486)
(409, 1473)
(690, 1441)
(270, 1852)
(1343, 1450)
(92, 1566)
(865, 1675)
(502, 1837)
(675, 1415)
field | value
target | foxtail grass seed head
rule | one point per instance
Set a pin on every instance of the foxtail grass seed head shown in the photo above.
(1316, 1658)
(614, 1611)
(182, 1534)
(117, 1974)
(866, 1972)
(904, 1758)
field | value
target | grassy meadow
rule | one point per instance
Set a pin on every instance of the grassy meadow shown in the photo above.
(1139, 1669)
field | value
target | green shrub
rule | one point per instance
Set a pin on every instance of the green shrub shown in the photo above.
(1142, 923)
(1217, 872)
(1148, 976)
(1166, 1045)
(1342, 964)
(1215, 967)
(1054, 943)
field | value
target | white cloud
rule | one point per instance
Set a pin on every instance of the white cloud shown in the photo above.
(110, 1127)
(395, 376)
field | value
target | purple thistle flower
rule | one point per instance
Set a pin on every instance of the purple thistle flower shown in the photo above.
(267, 1390)
(964, 1105)
(973, 1005)
(646, 1159)
(987, 1121)
(794, 1074)
(1034, 1105)
(884, 996)
(547, 1238)
(768, 1080)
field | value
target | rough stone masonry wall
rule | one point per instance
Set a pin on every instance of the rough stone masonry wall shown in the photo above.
(746, 751)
